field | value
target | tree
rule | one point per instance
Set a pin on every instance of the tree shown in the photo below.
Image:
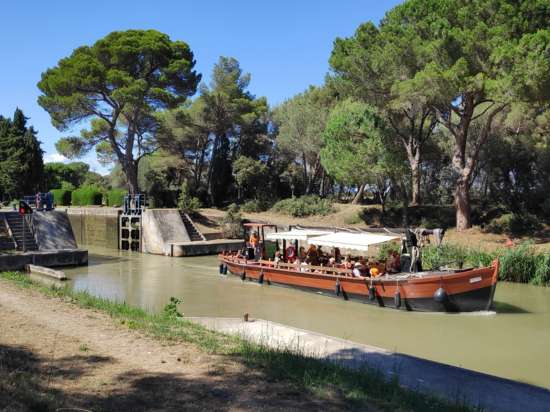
(301, 121)
(355, 148)
(21, 164)
(57, 173)
(251, 177)
(369, 65)
(119, 84)
(479, 57)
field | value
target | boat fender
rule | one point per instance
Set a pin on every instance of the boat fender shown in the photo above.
(243, 276)
(397, 299)
(225, 269)
(261, 278)
(440, 295)
(372, 293)
(337, 287)
(221, 268)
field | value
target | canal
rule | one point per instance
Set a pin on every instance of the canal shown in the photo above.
(512, 342)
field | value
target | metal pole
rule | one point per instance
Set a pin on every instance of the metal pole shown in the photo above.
(24, 243)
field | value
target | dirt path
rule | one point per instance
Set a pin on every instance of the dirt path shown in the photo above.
(54, 353)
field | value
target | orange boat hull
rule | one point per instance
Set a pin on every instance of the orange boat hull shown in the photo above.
(457, 291)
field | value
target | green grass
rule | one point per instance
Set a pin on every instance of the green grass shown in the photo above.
(359, 388)
(522, 264)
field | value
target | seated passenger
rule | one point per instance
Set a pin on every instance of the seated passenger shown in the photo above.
(374, 272)
(393, 264)
(290, 254)
(357, 270)
(277, 258)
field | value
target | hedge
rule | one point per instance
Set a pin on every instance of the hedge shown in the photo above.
(61, 197)
(86, 196)
(115, 197)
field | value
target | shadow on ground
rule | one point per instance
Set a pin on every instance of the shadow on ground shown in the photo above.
(29, 382)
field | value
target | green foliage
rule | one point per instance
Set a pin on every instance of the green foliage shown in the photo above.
(61, 197)
(119, 84)
(232, 223)
(309, 205)
(515, 224)
(518, 264)
(67, 176)
(86, 196)
(255, 206)
(385, 249)
(251, 177)
(115, 197)
(21, 163)
(170, 310)
(186, 202)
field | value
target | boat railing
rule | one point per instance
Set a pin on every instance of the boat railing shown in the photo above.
(327, 270)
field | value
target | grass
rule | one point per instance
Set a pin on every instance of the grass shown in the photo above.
(522, 264)
(361, 389)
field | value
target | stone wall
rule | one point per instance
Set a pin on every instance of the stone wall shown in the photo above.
(95, 226)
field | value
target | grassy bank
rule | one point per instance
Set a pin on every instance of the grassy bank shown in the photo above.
(522, 264)
(362, 389)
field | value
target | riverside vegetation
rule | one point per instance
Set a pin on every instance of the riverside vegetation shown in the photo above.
(360, 389)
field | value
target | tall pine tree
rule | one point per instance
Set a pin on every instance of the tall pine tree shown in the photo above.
(21, 163)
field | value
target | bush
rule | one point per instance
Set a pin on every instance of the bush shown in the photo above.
(518, 264)
(304, 206)
(255, 206)
(514, 224)
(232, 223)
(61, 197)
(186, 202)
(86, 196)
(115, 197)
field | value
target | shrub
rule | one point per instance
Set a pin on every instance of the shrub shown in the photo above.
(255, 206)
(61, 197)
(115, 197)
(186, 202)
(86, 195)
(232, 223)
(304, 206)
(514, 224)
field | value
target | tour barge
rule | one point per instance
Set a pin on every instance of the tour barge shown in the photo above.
(444, 290)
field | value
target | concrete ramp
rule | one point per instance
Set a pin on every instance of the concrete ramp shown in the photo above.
(53, 230)
(162, 228)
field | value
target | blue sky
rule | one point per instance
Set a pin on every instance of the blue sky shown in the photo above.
(283, 44)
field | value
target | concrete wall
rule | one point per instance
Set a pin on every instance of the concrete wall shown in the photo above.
(160, 228)
(95, 226)
(44, 258)
(53, 230)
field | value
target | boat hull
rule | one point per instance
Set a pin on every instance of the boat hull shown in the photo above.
(464, 291)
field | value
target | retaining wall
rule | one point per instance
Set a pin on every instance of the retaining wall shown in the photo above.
(95, 226)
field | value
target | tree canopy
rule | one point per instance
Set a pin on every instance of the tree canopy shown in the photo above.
(118, 84)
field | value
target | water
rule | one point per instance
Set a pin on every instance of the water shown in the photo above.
(512, 343)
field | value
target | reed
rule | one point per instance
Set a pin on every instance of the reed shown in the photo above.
(522, 264)
(360, 388)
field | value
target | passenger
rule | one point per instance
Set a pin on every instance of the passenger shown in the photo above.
(277, 258)
(313, 256)
(393, 264)
(337, 255)
(357, 270)
(302, 253)
(332, 262)
(290, 254)
(374, 272)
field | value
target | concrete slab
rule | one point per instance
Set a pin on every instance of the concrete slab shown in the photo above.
(53, 230)
(44, 271)
(478, 389)
(47, 258)
(161, 227)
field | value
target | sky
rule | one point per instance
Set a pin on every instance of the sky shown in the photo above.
(283, 44)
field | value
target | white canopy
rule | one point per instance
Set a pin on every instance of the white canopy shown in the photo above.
(354, 241)
(296, 234)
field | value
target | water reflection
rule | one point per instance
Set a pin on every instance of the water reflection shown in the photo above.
(513, 343)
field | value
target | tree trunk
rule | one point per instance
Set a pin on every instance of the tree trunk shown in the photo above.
(462, 204)
(415, 177)
(359, 195)
(132, 178)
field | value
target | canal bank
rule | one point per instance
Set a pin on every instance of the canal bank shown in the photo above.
(510, 343)
(432, 378)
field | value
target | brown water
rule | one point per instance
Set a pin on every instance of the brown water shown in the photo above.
(513, 343)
